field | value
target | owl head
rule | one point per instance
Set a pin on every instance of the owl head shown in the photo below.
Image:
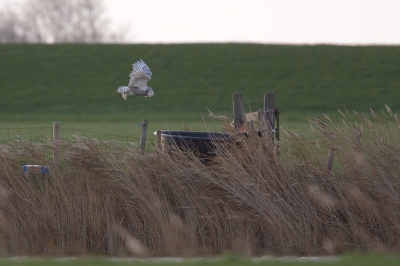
(150, 92)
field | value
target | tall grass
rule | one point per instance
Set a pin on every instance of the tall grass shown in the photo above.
(256, 196)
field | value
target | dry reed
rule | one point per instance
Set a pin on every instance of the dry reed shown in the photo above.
(253, 198)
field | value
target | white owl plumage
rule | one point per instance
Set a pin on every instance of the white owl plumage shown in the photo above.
(140, 75)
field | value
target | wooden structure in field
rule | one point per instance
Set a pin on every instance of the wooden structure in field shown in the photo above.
(267, 120)
(267, 117)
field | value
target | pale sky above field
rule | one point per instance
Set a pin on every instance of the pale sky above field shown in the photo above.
(349, 22)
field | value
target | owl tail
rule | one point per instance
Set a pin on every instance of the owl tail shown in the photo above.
(124, 91)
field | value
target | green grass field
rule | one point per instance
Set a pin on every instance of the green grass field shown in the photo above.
(76, 84)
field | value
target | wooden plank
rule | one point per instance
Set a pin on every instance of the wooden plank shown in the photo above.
(251, 116)
(239, 118)
(142, 141)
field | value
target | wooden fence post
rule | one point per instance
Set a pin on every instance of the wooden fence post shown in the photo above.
(142, 141)
(269, 107)
(159, 145)
(252, 126)
(239, 118)
(329, 161)
(277, 123)
(267, 115)
(357, 135)
(56, 140)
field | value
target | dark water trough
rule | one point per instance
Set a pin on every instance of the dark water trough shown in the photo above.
(201, 142)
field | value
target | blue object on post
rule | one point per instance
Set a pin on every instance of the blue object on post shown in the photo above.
(43, 169)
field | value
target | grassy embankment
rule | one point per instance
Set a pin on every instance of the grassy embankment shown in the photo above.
(75, 84)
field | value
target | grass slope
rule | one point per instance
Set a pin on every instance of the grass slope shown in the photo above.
(78, 82)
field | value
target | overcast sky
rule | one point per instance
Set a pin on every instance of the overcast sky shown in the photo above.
(350, 22)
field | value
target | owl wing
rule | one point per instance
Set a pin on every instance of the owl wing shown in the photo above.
(138, 79)
(142, 67)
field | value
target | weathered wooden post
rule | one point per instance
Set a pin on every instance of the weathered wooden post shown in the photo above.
(357, 135)
(159, 145)
(329, 161)
(267, 115)
(239, 119)
(269, 107)
(56, 140)
(142, 141)
(277, 123)
(252, 126)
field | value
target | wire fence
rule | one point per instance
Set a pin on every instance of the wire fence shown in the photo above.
(68, 133)
(43, 134)
(32, 134)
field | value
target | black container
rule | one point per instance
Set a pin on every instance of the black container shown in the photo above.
(202, 143)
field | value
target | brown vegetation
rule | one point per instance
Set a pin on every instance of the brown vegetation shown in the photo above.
(106, 199)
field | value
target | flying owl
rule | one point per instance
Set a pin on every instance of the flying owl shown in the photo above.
(140, 75)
